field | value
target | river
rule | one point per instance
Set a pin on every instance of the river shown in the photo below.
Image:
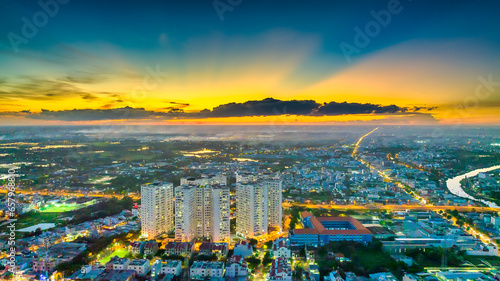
(455, 187)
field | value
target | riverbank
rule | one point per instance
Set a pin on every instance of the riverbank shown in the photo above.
(455, 187)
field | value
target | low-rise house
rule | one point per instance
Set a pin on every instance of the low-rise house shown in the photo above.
(341, 257)
(243, 249)
(171, 267)
(86, 273)
(383, 276)
(140, 266)
(179, 248)
(136, 248)
(121, 264)
(209, 248)
(156, 269)
(150, 248)
(334, 276)
(314, 272)
(203, 269)
(117, 275)
(41, 265)
(111, 262)
(280, 270)
(236, 266)
(350, 276)
(410, 277)
(402, 258)
(281, 248)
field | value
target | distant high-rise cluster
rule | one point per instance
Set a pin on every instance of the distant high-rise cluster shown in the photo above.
(202, 207)
(205, 180)
(157, 207)
(258, 204)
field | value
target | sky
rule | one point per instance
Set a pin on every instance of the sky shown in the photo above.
(404, 62)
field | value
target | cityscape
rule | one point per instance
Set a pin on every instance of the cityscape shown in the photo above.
(354, 204)
(235, 140)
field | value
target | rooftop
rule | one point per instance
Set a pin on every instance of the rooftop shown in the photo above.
(139, 262)
(332, 225)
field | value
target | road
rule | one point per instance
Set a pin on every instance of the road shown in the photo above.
(73, 194)
(356, 145)
(392, 207)
(288, 205)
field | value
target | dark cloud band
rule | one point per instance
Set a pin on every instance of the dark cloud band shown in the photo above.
(263, 107)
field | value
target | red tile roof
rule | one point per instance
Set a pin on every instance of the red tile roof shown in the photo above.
(319, 228)
(212, 247)
(306, 214)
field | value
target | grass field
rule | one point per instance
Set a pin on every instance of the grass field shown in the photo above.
(64, 207)
(120, 253)
(49, 214)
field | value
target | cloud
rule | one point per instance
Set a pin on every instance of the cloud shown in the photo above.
(95, 114)
(335, 108)
(84, 78)
(175, 106)
(265, 107)
(40, 89)
(15, 113)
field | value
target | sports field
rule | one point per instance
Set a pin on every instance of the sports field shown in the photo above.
(65, 207)
(120, 253)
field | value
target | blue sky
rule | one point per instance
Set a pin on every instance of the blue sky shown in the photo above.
(297, 43)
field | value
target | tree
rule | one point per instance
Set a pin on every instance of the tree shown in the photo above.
(172, 257)
(253, 242)
(269, 244)
(253, 262)
(267, 259)
(38, 231)
(322, 251)
(297, 274)
(302, 252)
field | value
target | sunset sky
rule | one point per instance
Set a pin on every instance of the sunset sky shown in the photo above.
(182, 62)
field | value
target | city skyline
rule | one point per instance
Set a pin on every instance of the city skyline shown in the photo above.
(360, 203)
